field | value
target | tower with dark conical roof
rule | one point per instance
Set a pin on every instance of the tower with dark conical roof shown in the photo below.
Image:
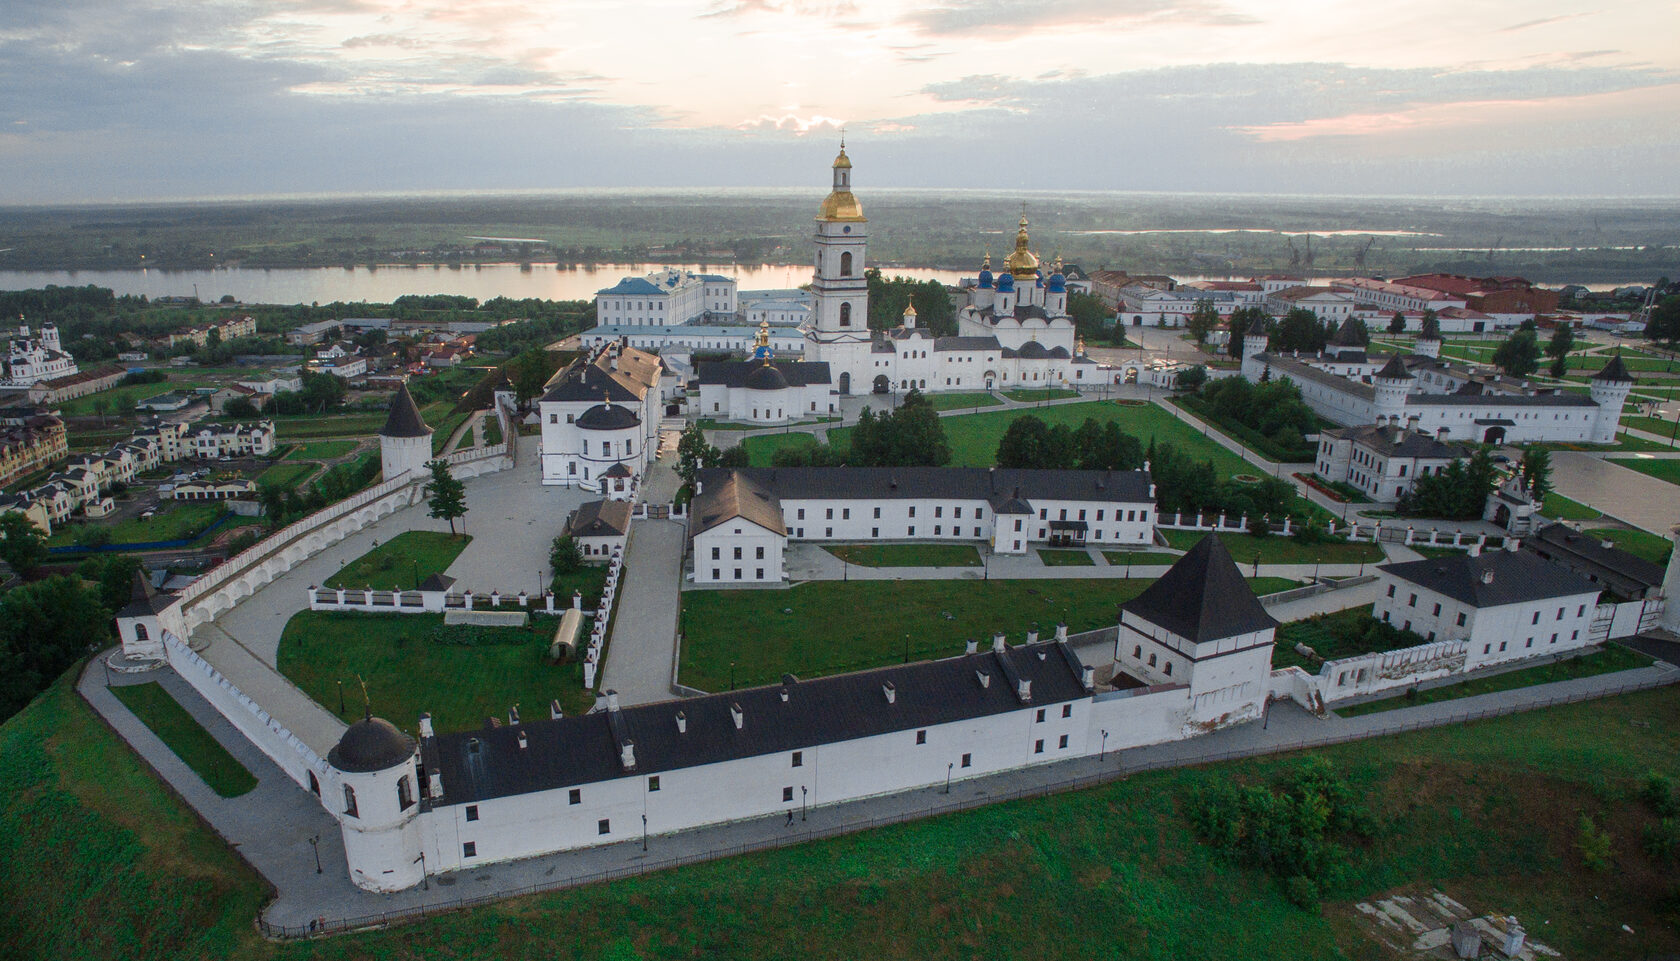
(1609, 389)
(1201, 626)
(405, 442)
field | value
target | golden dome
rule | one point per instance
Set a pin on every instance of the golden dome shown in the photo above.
(910, 310)
(1021, 261)
(843, 160)
(841, 206)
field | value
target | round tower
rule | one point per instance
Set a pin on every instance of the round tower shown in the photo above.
(1392, 383)
(1609, 390)
(376, 801)
(405, 442)
(1254, 339)
(1427, 346)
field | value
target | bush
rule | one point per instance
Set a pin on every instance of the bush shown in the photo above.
(1594, 844)
(1302, 892)
(1658, 794)
(1661, 840)
(564, 556)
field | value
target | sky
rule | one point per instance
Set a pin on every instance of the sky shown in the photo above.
(106, 100)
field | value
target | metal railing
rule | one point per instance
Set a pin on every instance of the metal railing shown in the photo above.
(1122, 768)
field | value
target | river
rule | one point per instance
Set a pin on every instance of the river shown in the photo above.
(382, 285)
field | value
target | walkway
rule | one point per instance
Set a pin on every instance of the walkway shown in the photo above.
(271, 826)
(643, 642)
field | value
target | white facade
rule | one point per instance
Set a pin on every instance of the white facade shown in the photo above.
(1382, 462)
(600, 420)
(665, 298)
(31, 358)
(1144, 306)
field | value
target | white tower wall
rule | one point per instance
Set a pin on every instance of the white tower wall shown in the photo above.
(400, 455)
(382, 840)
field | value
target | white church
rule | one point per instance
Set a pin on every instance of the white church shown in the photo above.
(32, 358)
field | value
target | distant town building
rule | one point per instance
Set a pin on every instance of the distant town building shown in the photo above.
(32, 357)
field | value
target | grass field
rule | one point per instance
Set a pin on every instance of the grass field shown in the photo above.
(187, 738)
(1612, 657)
(1060, 558)
(1138, 558)
(768, 633)
(1026, 395)
(408, 672)
(1343, 634)
(1652, 547)
(1559, 507)
(315, 427)
(1281, 550)
(1666, 470)
(402, 562)
(1472, 809)
(173, 521)
(321, 450)
(763, 447)
(286, 475)
(443, 423)
(907, 555)
(961, 399)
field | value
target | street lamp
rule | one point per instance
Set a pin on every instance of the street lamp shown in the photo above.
(425, 880)
(644, 832)
(341, 696)
(315, 843)
(1104, 752)
(1256, 563)
(948, 768)
(732, 675)
(803, 791)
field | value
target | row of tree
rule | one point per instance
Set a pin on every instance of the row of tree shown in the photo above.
(1032, 444)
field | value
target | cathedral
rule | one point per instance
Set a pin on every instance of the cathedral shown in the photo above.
(1014, 331)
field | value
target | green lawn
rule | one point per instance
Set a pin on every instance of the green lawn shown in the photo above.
(402, 562)
(187, 738)
(492, 427)
(1612, 657)
(1062, 558)
(298, 427)
(443, 423)
(907, 555)
(286, 474)
(764, 446)
(1661, 469)
(590, 580)
(1559, 507)
(1138, 558)
(1653, 547)
(321, 450)
(769, 633)
(1343, 634)
(173, 521)
(960, 399)
(1281, 550)
(1030, 394)
(1472, 810)
(408, 671)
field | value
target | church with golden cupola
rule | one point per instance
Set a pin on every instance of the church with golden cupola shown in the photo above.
(1014, 331)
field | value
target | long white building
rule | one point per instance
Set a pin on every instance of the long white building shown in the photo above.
(744, 518)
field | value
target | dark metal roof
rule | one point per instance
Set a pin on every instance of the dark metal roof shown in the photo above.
(1503, 400)
(1615, 370)
(603, 518)
(568, 752)
(1202, 597)
(608, 417)
(1596, 552)
(404, 419)
(966, 343)
(969, 483)
(142, 599)
(1398, 442)
(740, 373)
(1032, 350)
(1395, 369)
(437, 582)
(765, 377)
(371, 744)
(1518, 576)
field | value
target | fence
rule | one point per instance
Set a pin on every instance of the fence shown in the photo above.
(1120, 769)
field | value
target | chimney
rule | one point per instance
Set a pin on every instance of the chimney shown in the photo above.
(554, 711)
(435, 782)
(971, 647)
(1487, 576)
(1061, 632)
(627, 754)
(1023, 690)
(425, 725)
(523, 741)
(1607, 543)
(682, 723)
(1088, 677)
(1032, 634)
(513, 715)
(891, 691)
(736, 715)
(984, 678)
(1512, 543)
(612, 700)
(699, 486)
(784, 693)
(998, 644)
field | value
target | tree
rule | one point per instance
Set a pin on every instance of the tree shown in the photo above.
(1203, 320)
(1241, 320)
(446, 495)
(1025, 444)
(908, 436)
(1090, 315)
(564, 555)
(1562, 342)
(1397, 323)
(693, 453)
(24, 547)
(734, 457)
(1664, 321)
(1537, 472)
(1301, 330)
(240, 407)
(44, 628)
(1520, 355)
(1430, 328)
(1191, 380)
(101, 406)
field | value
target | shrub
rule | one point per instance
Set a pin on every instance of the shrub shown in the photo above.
(1661, 840)
(1594, 844)
(1658, 794)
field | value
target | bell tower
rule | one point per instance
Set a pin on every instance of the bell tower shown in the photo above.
(840, 294)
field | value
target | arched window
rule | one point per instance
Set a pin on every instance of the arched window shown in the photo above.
(405, 790)
(1151, 660)
(846, 264)
(314, 785)
(349, 800)
(1137, 651)
(1169, 669)
(140, 632)
(846, 315)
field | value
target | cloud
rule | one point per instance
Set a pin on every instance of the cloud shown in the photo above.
(1543, 21)
(963, 17)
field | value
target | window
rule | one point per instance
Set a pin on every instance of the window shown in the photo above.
(912, 511)
(1067, 710)
(787, 793)
(1391, 590)
(829, 515)
(469, 849)
(758, 573)
(967, 760)
(938, 529)
(1580, 611)
(874, 532)
(1152, 659)
(1461, 619)
(1062, 742)
(405, 793)
(846, 264)
(575, 797)
(1038, 746)
(912, 531)
(939, 510)
(802, 513)
(1437, 610)
(1502, 645)
(1039, 719)
(1169, 669)
(828, 532)
(472, 812)
(737, 553)
(603, 826)
(1560, 614)
(716, 553)
(1487, 648)
(1412, 602)
(956, 512)
(717, 575)
(798, 758)
(737, 573)
(349, 800)
(1535, 619)
(761, 557)
(921, 736)
(877, 512)
(1137, 652)
(653, 783)
(845, 315)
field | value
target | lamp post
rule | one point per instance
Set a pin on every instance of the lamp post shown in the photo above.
(341, 696)
(644, 832)
(1104, 751)
(315, 844)
(803, 793)
(948, 767)
(732, 675)
(425, 880)
(1315, 568)
(1256, 563)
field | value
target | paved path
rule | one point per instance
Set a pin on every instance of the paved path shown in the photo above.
(642, 645)
(1627, 495)
(272, 824)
